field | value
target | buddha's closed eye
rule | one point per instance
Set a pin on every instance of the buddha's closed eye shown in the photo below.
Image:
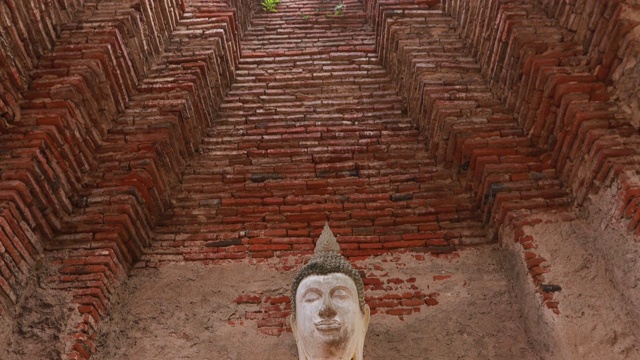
(311, 296)
(341, 294)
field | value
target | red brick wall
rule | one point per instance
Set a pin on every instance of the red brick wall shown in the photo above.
(533, 103)
(467, 127)
(114, 100)
(557, 83)
(78, 88)
(102, 104)
(514, 96)
(29, 29)
(599, 26)
(553, 63)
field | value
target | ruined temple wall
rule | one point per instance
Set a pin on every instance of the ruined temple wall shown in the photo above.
(556, 70)
(111, 110)
(559, 65)
(606, 31)
(609, 33)
(464, 121)
(28, 29)
(72, 89)
(561, 77)
(243, 10)
(558, 80)
(490, 81)
(434, 307)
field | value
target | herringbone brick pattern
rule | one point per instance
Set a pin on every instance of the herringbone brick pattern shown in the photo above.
(136, 133)
(313, 131)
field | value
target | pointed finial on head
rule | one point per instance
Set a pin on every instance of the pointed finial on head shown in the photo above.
(327, 242)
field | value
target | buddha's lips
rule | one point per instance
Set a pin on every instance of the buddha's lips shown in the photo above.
(328, 325)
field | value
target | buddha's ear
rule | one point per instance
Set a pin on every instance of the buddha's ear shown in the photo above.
(367, 317)
(294, 327)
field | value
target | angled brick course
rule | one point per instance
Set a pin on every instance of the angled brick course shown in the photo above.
(557, 83)
(110, 116)
(465, 124)
(138, 133)
(29, 30)
(312, 131)
(549, 69)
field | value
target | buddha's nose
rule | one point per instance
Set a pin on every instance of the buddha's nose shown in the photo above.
(327, 310)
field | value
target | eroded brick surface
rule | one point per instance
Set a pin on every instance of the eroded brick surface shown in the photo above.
(524, 112)
(313, 131)
(557, 83)
(138, 133)
(112, 112)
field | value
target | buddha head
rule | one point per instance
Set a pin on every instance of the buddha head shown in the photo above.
(329, 318)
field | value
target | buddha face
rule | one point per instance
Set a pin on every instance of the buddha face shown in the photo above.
(328, 323)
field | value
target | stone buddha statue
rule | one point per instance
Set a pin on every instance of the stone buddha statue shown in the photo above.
(330, 317)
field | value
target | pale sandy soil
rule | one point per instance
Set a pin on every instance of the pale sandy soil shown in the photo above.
(597, 263)
(181, 311)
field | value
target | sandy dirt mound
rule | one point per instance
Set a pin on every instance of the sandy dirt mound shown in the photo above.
(598, 269)
(35, 331)
(182, 311)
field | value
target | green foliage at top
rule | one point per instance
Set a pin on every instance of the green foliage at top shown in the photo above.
(339, 9)
(269, 5)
